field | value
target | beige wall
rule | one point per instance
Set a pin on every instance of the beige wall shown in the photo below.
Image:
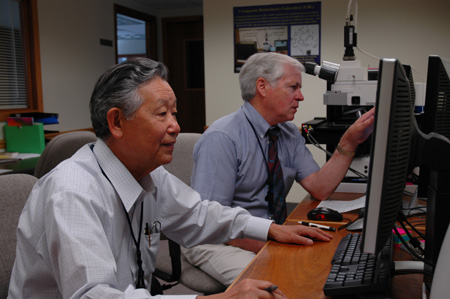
(409, 30)
(72, 58)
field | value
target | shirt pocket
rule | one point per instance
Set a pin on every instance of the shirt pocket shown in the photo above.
(150, 252)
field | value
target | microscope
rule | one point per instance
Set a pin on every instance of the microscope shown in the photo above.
(351, 91)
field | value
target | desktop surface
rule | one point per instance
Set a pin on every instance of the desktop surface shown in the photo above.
(301, 271)
(19, 166)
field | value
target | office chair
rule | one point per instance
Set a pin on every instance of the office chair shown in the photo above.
(61, 147)
(171, 265)
(14, 191)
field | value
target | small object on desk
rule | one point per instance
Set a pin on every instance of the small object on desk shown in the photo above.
(403, 234)
(9, 155)
(325, 214)
(271, 289)
(324, 227)
(343, 206)
(356, 225)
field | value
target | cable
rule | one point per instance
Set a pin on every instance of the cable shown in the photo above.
(404, 219)
(367, 53)
(412, 252)
(314, 142)
(349, 222)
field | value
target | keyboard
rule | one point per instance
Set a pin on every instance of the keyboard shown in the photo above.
(355, 272)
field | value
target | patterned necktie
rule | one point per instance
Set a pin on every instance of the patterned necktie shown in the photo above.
(277, 202)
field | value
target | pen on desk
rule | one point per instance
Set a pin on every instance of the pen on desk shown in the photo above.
(330, 228)
(271, 288)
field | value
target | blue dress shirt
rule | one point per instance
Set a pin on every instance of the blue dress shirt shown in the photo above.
(231, 160)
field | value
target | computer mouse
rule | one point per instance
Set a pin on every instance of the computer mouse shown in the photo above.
(325, 214)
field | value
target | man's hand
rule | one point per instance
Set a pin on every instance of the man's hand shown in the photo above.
(248, 289)
(297, 234)
(358, 132)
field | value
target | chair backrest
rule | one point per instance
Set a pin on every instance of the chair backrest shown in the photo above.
(61, 147)
(171, 265)
(14, 191)
(182, 163)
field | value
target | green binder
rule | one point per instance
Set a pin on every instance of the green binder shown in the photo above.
(25, 139)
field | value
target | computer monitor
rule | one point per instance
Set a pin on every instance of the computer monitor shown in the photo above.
(397, 146)
(432, 157)
(390, 154)
(437, 98)
(436, 116)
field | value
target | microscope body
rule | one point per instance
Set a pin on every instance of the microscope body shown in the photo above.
(352, 93)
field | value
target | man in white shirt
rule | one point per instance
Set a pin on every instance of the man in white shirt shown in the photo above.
(91, 226)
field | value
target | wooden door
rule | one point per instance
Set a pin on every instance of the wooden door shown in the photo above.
(183, 55)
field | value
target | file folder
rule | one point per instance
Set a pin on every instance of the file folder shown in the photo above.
(25, 139)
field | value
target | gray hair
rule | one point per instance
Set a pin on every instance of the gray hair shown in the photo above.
(119, 87)
(270, 66)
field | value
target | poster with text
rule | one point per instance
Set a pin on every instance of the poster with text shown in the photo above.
(291, 29)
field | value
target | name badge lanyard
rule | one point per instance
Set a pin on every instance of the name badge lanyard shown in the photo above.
(269, 196)
(140, 282)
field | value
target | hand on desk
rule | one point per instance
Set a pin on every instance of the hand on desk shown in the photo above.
(297, 234)
(248, 289)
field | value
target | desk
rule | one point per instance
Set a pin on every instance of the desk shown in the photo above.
(20, 166)
(301, 271)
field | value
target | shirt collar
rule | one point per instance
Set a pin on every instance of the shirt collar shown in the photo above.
(259, 123)
(126, 186)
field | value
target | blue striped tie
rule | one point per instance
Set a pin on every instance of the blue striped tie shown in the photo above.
(277, 201)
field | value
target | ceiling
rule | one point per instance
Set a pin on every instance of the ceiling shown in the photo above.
(173, 4)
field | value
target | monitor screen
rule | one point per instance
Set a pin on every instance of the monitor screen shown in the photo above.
(390, 154)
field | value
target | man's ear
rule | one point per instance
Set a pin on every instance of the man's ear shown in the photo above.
(261, 86)
(115, 117)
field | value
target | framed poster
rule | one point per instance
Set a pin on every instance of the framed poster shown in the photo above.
(291, 29)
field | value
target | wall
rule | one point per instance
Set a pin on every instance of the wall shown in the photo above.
(409, 30)
(72, 58)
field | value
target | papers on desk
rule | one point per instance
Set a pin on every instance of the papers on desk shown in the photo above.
(344, 205)
(23, 156)
(11, 157)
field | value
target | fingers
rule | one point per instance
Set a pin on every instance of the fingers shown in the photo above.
(279, 294)
(297, 234)
(306, 235)
(318, 234)
(253, 288)
(368, 114)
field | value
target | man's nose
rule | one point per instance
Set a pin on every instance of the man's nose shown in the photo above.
(300, 96)
(174, 127)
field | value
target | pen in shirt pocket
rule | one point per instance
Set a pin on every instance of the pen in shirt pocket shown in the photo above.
(155, 229)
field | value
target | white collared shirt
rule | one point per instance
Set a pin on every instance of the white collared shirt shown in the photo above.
(74, 240)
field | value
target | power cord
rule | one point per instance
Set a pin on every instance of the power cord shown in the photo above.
(412, 242)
